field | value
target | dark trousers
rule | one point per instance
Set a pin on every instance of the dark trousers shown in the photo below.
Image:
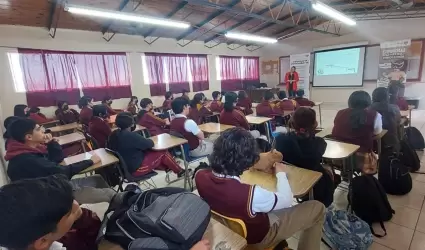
(291, 93)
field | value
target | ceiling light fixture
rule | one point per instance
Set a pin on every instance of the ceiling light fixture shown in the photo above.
(332, 13)
(111, 14)
(248, 37)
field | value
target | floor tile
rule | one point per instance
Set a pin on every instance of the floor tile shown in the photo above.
(418, 187)
(405, 216)
(398, 237)
(376, 246)
(421, 222)
(418, 242)
(411, 200)
(418, 177)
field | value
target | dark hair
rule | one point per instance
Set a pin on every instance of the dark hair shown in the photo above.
(293, 67)
(100, 109)
(132, 99)
(185, 91)
(393, 90)
(229, 99)
(304, 119)
(106, 98)
(32, 208)
(84, 101)
(268, 95)
(281, 94)
(168, 95)
(145, 102)
(380, 95)
(215, 94)
(241, 95)
(178, 104)
(19, 110)
(359, 100)
(197, 99)
(34, 110)
(7, 122)
(300, 92)
(21, 128)
(61, 103)
(234, 152)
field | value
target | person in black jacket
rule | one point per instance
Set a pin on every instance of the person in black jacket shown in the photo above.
(32, 154)
(303, 149)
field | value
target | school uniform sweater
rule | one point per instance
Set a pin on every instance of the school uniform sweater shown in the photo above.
(246, 104)
(153, 123)
(100, 130)
(235, 118)
(86, 114)
(67, 116)
(216, 106)
(304, 101)
(177, 125)
(39, 118)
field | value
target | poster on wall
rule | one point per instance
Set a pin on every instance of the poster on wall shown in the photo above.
(302, 65)
(393, 62)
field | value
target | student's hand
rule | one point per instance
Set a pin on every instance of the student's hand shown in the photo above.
(242, 108)
(279, 167)
(48, 138)
(167, 122)
(202, 245)
(95, 158)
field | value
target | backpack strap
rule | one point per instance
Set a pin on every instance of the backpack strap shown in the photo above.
(383, 228)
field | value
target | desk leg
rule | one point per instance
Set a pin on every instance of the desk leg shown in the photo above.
(82, 145)
(143, 133)
(410, 118)
(268, 132)
(379, 144)
(320, 114)
(311, 194)
(186, 167)
(352, 162)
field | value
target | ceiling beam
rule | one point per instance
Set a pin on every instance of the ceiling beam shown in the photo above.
(245, 20)
(107, 24)
(170, 14)
(209, 18)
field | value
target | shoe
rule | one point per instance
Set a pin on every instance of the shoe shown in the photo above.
(181, 174)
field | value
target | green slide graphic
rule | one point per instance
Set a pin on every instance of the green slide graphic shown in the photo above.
(337, 62)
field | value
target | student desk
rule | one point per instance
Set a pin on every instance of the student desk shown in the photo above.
(166, 141)
(257, 120)
(137, 129)
(337, 150)
(107, 159)
(64, 128)
(72, 138)
(50, 124)
(214, 128)
(301, 180)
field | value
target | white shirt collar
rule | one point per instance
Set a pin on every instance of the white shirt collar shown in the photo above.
(227, 176)
(180, 115)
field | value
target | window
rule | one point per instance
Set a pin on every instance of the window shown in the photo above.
(234, 72)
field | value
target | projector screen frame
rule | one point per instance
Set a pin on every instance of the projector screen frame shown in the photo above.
(345, 86)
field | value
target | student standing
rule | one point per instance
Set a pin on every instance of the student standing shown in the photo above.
(216, 104)
(244, 103)
(269, 216)
(291, 80)
(189, 129)
(149, 120)
(268, 109)
(85, 104)
(302, 101)
(132, 105)
(107, 101)
(66, 115)
(98, 126)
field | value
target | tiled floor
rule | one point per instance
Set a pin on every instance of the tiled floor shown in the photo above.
(406, 231)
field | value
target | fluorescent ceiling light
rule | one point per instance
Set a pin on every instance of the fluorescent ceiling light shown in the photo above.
(248, 37)
(332, 13)
(110, 14)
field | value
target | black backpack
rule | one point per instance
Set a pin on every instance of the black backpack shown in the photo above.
(370, 202)
(415, 138)
(408, 156)
(393, 175)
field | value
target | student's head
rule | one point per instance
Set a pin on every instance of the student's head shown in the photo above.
(133, 100)
(35, 213)
(180, 105)
(63, 105)
(204, 98)
(242, 95)
(197, 99)
(107, 100)
(21, 110)
(230, 101)
(293, 69)
(281, 95)
(146, 104)
(268, 96)
(358, 102)
(169, 95)
(185, 93)
(380, 95)
(26, 131)
(304, 120)
(300, 93)
(234, 152)
(216, 95)
(85, 101)
(124, 121)
(394, 93)
(7, 122)
(100, 110)
(34, 110)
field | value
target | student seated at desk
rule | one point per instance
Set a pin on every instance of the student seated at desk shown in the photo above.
(284, 103)
(38, 117)
(189, 129)
(99, 127)
(135, 149)
(132, 105)
(21, 110)
(185, 94)
(149, 120)
(357, 125)
(303, 149)
(301, 100)
(85, 104)
(216, 104)
(107, 102)
(198, 111)
(391, 118)
(66, 115)
(166, 105)
(7, 122)
(269, 216)
(244, 103)
(396, 97)
(268, 109)
(231, 116)
(32, 154)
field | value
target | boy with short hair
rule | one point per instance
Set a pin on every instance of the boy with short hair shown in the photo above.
(268, 109)
(302, 101)
(284, 103)
(148, 119)
(99, 126)
(216, 104)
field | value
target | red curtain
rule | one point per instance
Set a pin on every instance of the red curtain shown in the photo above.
(230, 73)
(104, 74)
(176, 67)
(199, 70)
(251, 70)
(156, 74)
(49, 77)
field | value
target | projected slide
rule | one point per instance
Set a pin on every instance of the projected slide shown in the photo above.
(337, 62)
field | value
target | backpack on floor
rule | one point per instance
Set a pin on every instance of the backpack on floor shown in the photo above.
(408, 156)
(393, 175)
(415, 138)
(345, 231)
(370, 202)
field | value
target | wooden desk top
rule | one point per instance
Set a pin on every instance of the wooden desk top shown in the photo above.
(380, 135)
(318, 103)
(213, 128)
(339, 150)
(66, 127)
(166, 141)
(70, 138)
(257, 119)
(301, 180)
(138, 128)
(106, 159)
(404, 113)
(54, 122)
(328, 131)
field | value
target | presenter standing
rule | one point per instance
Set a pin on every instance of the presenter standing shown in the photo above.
(291, 80)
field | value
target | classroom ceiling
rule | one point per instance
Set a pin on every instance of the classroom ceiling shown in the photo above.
(210, 19)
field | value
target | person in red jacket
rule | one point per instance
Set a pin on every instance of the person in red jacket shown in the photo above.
(85, 104)
(244, 103)
(216, 104)
(268, 109)
(38, 117)
(302, 101)
(149, 120)
(66, 115)
(99, 127)
(291, 81)
(166, 105)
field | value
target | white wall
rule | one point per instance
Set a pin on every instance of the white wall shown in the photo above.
(71, 40)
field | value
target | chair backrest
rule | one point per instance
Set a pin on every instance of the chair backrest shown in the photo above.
(90, 139)
(236, 225)
(122, 166)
